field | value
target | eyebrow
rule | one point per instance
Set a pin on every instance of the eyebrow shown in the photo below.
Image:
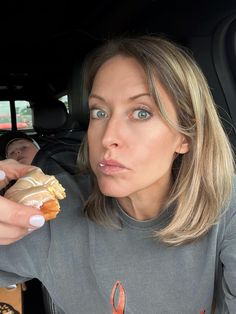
(130, 98)
(96, 96)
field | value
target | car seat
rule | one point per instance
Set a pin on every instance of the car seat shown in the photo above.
(52, 121)
(59, 137)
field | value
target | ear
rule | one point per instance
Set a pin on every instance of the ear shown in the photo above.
(183, 148)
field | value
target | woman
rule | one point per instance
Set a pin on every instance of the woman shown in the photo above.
(158, 234)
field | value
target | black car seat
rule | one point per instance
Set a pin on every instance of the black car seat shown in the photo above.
(59, 137)
(52, 121)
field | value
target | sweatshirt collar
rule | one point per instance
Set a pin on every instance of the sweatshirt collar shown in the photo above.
(157, 222)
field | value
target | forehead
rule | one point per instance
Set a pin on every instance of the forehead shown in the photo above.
(19, 142)
(119, 70)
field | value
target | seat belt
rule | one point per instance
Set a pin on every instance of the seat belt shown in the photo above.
(11, 299)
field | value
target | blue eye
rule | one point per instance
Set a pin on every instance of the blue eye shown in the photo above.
(141, 114)
(98, 114)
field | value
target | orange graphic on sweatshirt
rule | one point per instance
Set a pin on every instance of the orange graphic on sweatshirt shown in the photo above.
(121, 299)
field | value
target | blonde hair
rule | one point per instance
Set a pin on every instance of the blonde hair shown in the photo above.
(203, 177)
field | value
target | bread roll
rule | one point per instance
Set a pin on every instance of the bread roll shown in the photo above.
(39, 190)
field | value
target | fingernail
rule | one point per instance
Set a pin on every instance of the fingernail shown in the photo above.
(2, 175)
(30, 230)
(37, 221)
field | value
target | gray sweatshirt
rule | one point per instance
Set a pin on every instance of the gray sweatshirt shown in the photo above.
(91, 269)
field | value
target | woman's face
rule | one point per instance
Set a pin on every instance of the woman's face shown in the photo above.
(131, 148)
(22, 150)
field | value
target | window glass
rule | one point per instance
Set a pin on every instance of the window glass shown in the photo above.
(23, 114)
(65, 100)
(5, 115)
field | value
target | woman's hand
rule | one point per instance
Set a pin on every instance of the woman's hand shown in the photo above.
(16, 220)
(13, 170)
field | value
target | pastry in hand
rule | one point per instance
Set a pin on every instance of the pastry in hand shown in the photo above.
(39, 190)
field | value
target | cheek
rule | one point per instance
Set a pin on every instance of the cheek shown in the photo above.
(162, 144)
(30, 153)
(159, 149)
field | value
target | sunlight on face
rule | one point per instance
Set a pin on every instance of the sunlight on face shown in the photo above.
(131, 148)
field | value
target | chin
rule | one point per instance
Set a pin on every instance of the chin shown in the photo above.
(23, 162)
(114, 188)
(113, 191)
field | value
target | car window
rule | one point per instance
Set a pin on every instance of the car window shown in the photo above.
(23, 115)
(5, 115)
(64, 99)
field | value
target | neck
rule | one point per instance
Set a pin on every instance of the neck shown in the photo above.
(146, 204)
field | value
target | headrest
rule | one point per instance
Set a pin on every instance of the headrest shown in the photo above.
(78, 98)
(49, 117)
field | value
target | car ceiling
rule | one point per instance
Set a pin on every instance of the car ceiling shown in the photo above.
(40, 40)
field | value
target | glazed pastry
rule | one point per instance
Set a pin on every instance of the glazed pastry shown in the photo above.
(39, 190)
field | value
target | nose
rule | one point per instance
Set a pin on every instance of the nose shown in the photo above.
(15, 155)
(18, 152)
(112, 136)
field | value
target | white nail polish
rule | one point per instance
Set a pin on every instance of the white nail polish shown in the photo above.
(2, 175)
(37, 221)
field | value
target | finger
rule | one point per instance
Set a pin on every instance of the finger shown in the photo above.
(20, 215)
(23, 169)
(3, 179)
(10, 234)
(14, 170)
(2, 175)
(9, 241)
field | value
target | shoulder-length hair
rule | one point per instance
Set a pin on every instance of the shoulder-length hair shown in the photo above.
(203, 177)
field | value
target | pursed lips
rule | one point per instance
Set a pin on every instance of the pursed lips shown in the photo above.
(111, 166)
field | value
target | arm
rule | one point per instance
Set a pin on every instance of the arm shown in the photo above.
(16, 220)
(228, 259)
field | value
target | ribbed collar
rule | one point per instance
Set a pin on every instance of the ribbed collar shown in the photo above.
(155, 223)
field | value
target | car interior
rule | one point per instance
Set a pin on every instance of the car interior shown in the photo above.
(44, 44)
